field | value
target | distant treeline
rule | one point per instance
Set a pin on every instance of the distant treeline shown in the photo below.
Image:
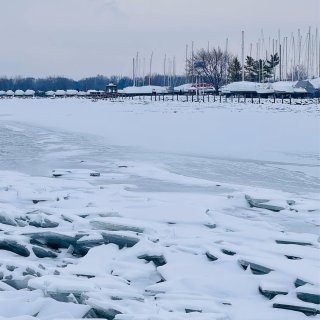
(92, 83)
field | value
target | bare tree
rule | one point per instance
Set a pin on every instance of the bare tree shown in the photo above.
(210, 66)
(298, 72)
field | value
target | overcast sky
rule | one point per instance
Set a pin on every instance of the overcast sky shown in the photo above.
(78, 38)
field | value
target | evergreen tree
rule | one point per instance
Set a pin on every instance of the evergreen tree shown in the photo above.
(234, 70)
(261, 70)
(251, 69)
(271, 64)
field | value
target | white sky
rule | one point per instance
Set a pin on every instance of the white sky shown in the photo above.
(78, 38)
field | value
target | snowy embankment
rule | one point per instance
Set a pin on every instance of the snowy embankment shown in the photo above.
(138, 210)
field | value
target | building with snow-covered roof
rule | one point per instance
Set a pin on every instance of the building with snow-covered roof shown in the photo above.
(284, 87)
(71, 93)
(316, 83)
(194, 88)
(145, 90)
(111, 88)
(50, 93)
(19, 93)
(247, 89)
(184, 88)
(301, 88)
(60, 93)
(82, 94)
(29, 93)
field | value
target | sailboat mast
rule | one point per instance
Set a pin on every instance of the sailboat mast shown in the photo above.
(280, 62)
(187, 63)
(242, 55)
(137, 69)
(150, 69)
(192, 61)
(133, 72)
(308, 51)
(164, 70)
(286, 46)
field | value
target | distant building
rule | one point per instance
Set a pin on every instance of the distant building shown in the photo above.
(281, 89)
(111, 88)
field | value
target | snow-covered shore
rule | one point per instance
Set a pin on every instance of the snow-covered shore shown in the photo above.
(168, 181)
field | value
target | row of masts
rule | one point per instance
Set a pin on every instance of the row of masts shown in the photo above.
(299, 56)
(141, 78)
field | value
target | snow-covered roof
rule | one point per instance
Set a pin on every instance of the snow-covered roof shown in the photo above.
(82, 93)
(315, 82)
(29, 92)
(19, 93)
(193, 87)
(145, 89)
(60, 93)
(284, 86)
(50, 93)
(9, 93)
(247, 86)
(71, 92)
(185, 87)
(300, 90)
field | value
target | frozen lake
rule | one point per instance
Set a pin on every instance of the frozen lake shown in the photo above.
(36, 150)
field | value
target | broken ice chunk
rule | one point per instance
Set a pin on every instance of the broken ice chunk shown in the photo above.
(261, 203)
(61, 284)
(14, 246)
(60, 173)
(292, 257)
(298, 243)
(5, 219)
(255, 268)
(122, 240)
(210, 225)
(116, 224)
(309, 293)
(52, 239)
(106, 310)
(158, 260)
(85, 243)
(43, 253)
(306, 310)
(40, 220)
(18, 284)
(228, 252)
(210, 256)
(270, 290)
(6, 287)
(35, 201)
(192, 310)
(299, 283)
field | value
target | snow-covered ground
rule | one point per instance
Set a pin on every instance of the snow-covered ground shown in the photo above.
(136, 210)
